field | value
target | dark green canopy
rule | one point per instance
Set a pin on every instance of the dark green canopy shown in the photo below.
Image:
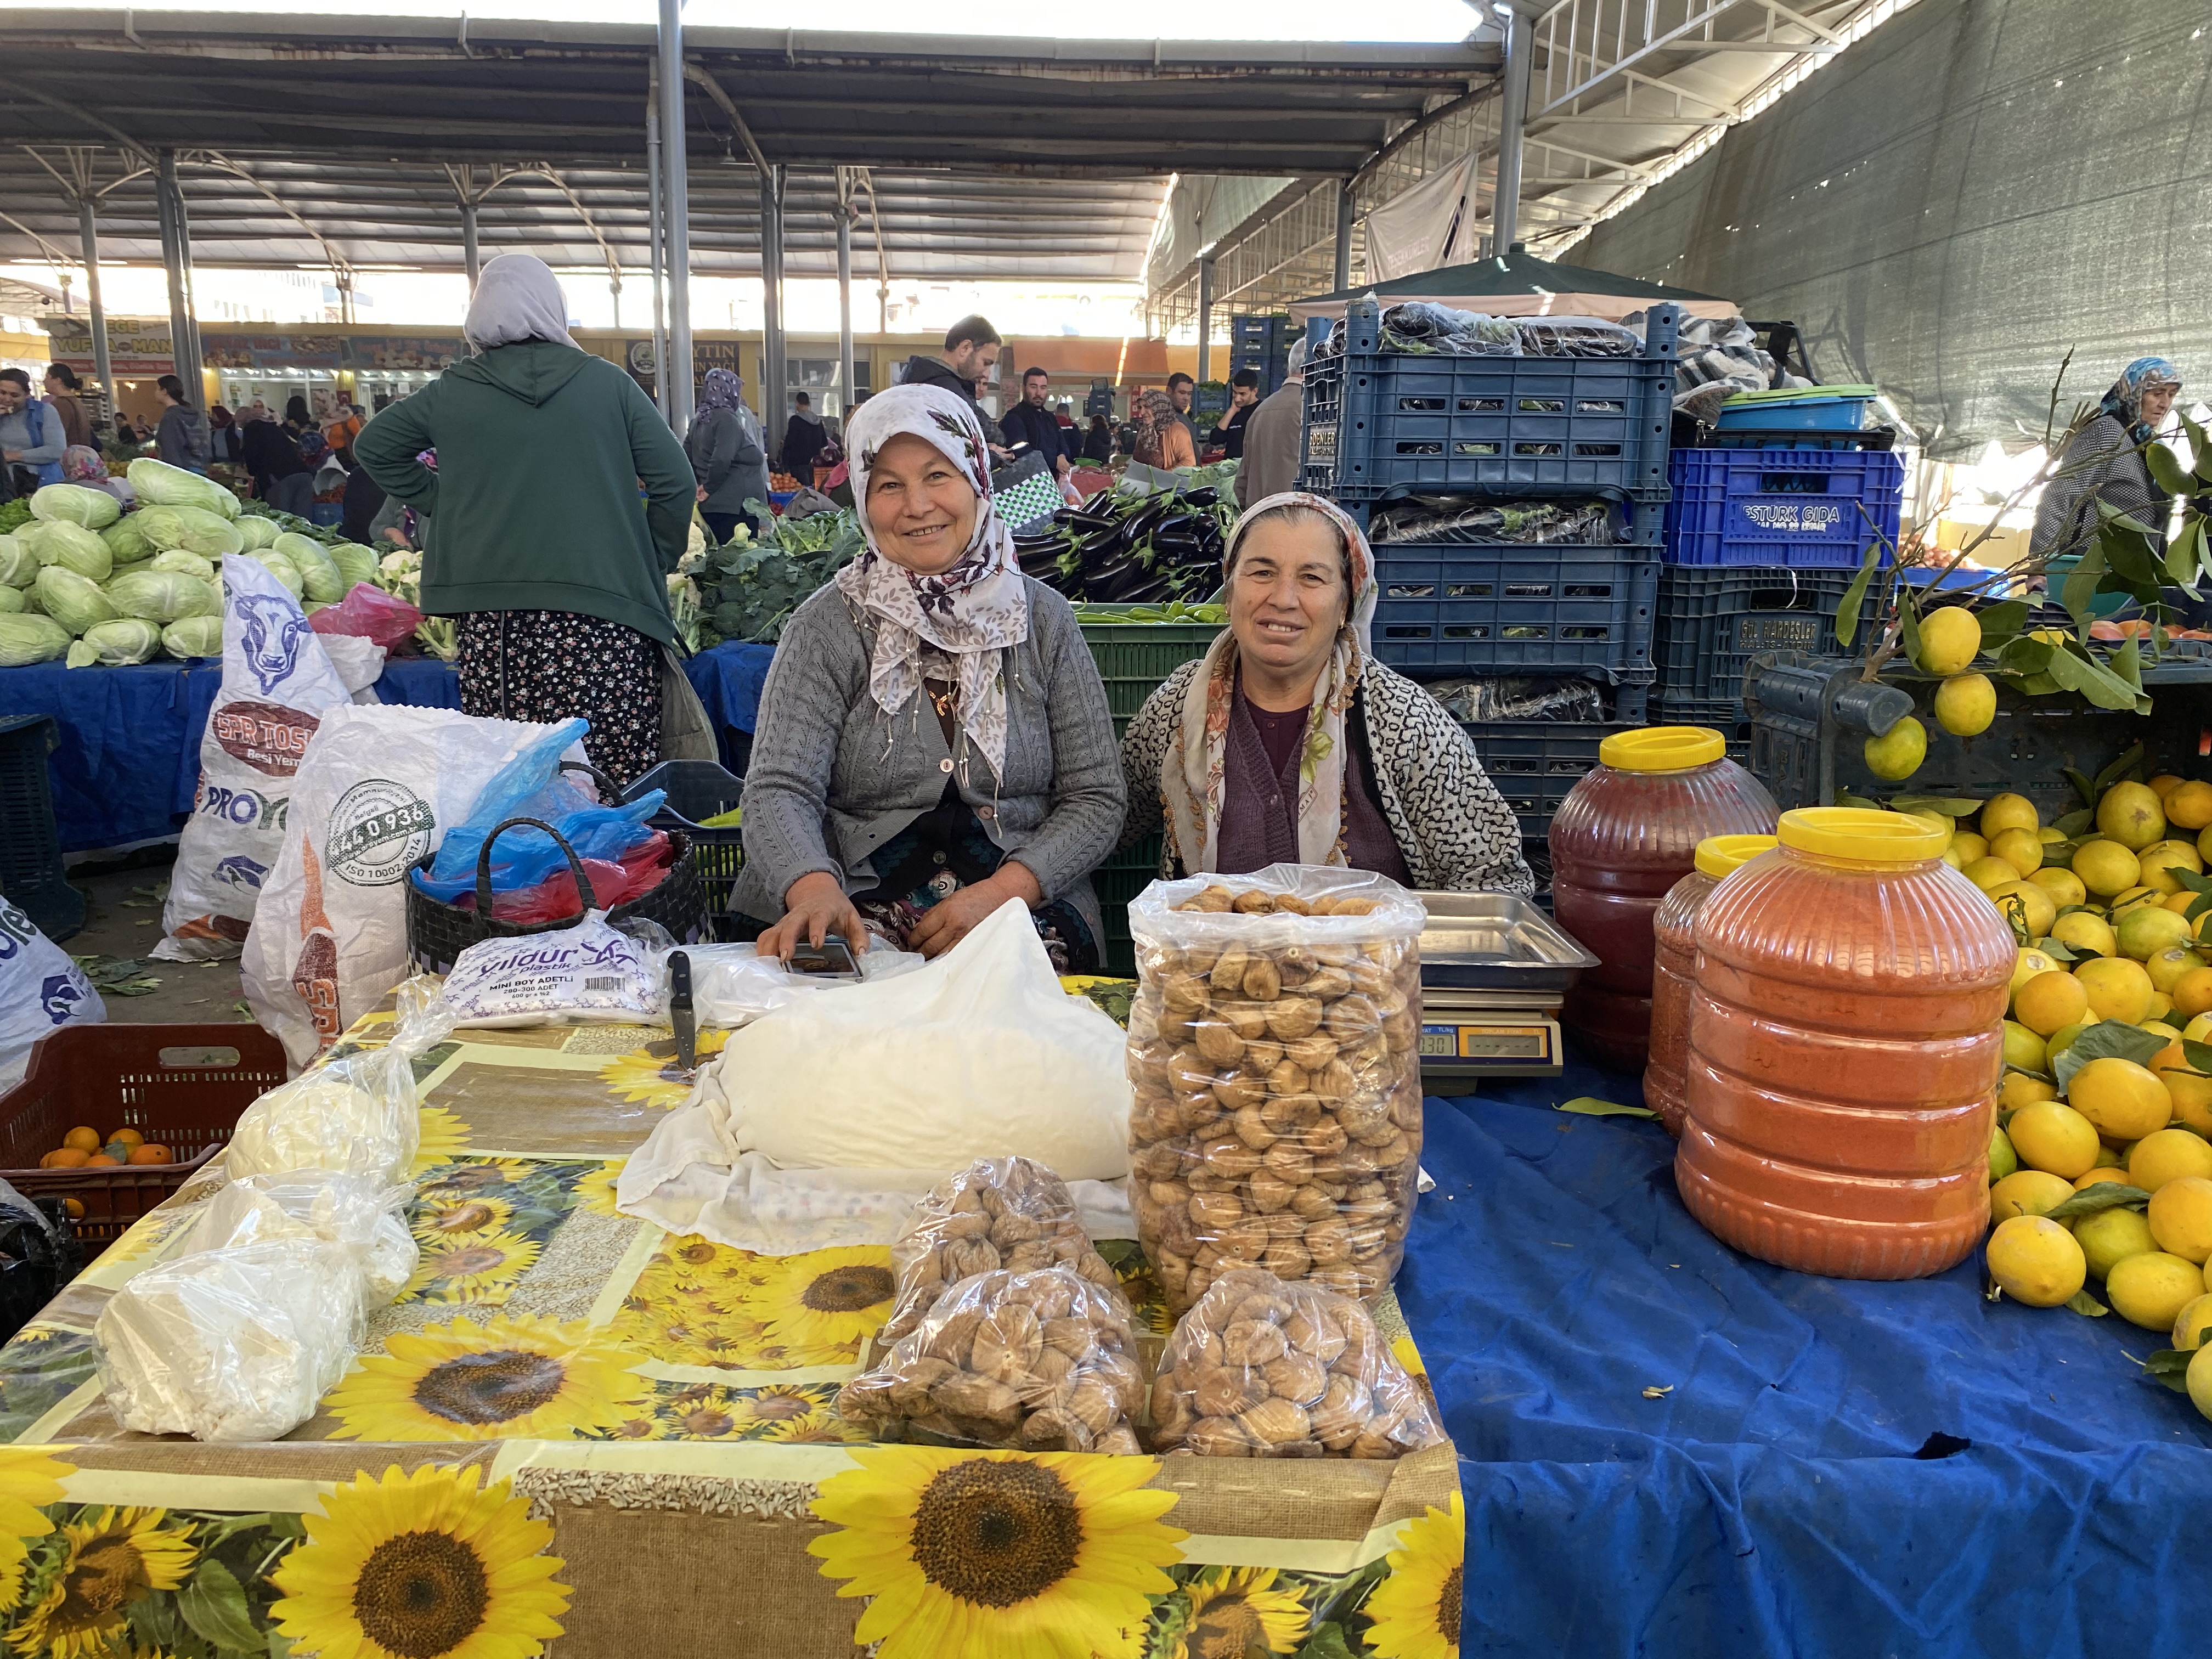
(1520, 284)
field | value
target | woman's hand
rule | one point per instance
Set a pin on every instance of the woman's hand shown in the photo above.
(951, 919)
(814, 906)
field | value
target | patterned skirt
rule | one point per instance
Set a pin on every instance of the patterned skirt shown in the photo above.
(549, 666)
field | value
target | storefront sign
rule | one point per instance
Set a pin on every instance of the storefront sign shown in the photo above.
(133, 347)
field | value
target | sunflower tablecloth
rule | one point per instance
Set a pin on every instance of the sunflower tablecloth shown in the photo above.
(576, 1433)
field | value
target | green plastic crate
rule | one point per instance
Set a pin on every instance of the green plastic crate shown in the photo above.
(1117, 881)
(1134, 658)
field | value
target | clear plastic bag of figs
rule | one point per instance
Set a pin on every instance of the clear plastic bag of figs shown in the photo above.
(1275, 1058)
(1262, 1369)
(1010, 1212)
(1043, 1360)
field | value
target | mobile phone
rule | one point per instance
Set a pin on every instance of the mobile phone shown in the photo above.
(831, 959)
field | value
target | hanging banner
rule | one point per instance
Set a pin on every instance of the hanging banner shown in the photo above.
(1426, 227)
(133, 347)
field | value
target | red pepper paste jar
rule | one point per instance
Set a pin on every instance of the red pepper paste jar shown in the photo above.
(1675, 964)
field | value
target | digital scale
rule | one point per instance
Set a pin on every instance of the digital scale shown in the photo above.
(1494, 970)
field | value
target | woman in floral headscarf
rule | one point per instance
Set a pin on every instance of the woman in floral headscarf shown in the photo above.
(2104, 461)
(1163, 441)
(724, 448)
(1288, 744)
(933, 738)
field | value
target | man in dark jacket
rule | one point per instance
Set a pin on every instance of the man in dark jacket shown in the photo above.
(803, 439)
(1180, 390)
(1030, 423)
(971, 351)
(1243, 398)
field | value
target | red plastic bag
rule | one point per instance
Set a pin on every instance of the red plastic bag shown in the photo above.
(370, 613)
(555, 898)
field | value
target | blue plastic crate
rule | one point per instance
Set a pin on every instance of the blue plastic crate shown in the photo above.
(1378, 420)
(1526, 610)
(1811, 408)
(1265, 329)
(1808, 507)
(31, 878)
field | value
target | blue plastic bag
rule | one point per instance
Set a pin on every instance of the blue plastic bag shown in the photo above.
(531, 786)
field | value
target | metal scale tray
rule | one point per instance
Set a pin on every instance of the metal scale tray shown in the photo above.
(1496, 942)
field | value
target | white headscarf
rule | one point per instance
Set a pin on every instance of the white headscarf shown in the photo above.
(959, 625)
(518, 297)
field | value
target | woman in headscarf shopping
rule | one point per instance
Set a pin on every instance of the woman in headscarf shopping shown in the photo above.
(1163, 441)
(933, 738)
(725, 450)
(2104, 462)
(1287, 743)
(540, 549)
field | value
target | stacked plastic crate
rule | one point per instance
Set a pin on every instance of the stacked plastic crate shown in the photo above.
(1261, 343)
(1767, 527)
(1383, 426)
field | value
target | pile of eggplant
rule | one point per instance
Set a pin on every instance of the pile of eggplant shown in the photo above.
(1125, 548)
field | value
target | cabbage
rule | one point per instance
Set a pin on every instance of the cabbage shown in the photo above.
(190, 564)
(194, 636)
(26, 639)
(19, 565)
(72, 600)
(320, 577)
(115, 644)
(258, 531)
(283, 570)
(161, 595)
(71, 546)
(31, 605)
(11, 600)
(172, 486)
(76, 504)
(356, 564)
(192, 528)
(126, 541)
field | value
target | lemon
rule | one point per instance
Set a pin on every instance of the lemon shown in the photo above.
(2117, 988)
(2200, 1383)
(2009, 812)
(2108, 1237)
(2192, 1095)
(2027, 1192)
(2192, 1323)
(1949, 639)
(1897, 754)
(2036, 1261)
(2130, 815)
(2199, 1029)
(2053, 1137)
(2051, 999)
(2151, 1290)
(2166, 969)
(2105, 867)
(2025, 905)
(2100, 1174)
(2062, 1039)
(2078, 930)
(2192, 991)
(1968, 845)
(2021, 848)
(2189, 806)
(2133, 896)
(2147, 929)
(2125, 1100)
(2024, 1049)
(2164, 784)
(2111, 1159)
(2180, 902)
(2181, 1217)
(2157, 1024)
(2030, 962)
(2167, 1155)
(2064, 887)
(1965, 704)
(2019, 1090)
(2003, 1161)
(1990, 872)
(2161, 859)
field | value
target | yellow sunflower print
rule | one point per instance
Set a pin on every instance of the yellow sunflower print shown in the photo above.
(444, 1138)
(1416, 1610)
(595, 1192)
(30, 1478)
(1043, 1556)
(518, 1377)
(462, 1215)
(114, 1557)
(650, 1076)
(822, 1428)
(422, 1566)
(470, 1177)
(1238, 1612)
(484, 1268)
(833, 1298)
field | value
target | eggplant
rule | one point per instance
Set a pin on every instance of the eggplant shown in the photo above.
(1205, 496)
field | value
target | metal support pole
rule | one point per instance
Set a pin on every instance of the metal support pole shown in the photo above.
(180, 329)
(775, 391)
(87, 226)
(1344, 199)
(1205, 318)
(472, 254)
(184, 343)
(676, 156)
(1512, 116)
(658, 257)
(845, 212)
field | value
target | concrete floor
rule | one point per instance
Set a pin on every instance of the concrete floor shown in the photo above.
(124, 920)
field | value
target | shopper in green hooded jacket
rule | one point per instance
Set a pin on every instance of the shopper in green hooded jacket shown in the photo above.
(529, 456)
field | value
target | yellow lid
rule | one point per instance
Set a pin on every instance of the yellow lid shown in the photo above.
(1720, 856)
(1662, 748)
(1864, 833)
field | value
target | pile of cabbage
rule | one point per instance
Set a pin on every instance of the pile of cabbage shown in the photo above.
(85, 581)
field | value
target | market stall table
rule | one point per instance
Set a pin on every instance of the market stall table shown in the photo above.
(662, 1407)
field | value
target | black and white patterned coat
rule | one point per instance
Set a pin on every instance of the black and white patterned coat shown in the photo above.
(1455, 830)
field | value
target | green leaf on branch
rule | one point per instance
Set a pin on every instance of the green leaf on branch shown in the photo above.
(214, 1604)
(1950, 805)
(2075, 824)
(2101, 1195)
(2082, 1302)
(2130, 760)
(2198, 1054)
(2003, 622)
(1848, 608)
(2108, 1039)
(1590, 1106)
(2170, 1366)
(2095, 682)
(2165, 470)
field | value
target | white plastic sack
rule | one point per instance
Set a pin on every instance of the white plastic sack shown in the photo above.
(734, 985)
(378, 791)
(231, 1345)
(40, 988)
(315, 1203)
(979, 1054)
(592, 971)
(358, 1115)
(277, 684)
(360, 663)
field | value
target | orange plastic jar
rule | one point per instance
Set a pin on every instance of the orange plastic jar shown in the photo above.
(1626, 832)
(1674, 964)
(1846, 1038)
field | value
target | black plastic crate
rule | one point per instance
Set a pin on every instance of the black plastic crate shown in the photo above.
(1378, 420)
(1535, 763)
(1713, 620)
(31, 875)
(696, 790)
(1538, 610)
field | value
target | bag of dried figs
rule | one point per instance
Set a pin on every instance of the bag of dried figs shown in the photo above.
(1037, 1361)
(1262, 1369)
(1010, 1212)
(1274, 1055)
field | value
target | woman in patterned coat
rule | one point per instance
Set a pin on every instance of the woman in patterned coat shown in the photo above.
(1288, 744)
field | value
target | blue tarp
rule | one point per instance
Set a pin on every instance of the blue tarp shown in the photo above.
(1775, 1500)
